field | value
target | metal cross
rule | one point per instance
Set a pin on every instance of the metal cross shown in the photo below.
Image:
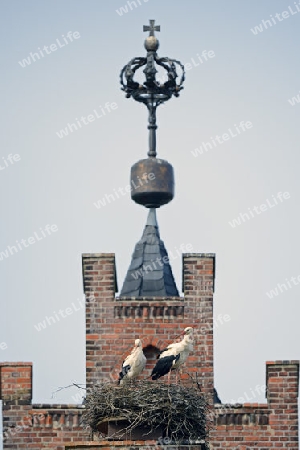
(151, 28)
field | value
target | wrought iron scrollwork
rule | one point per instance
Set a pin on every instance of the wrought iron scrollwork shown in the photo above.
(152, 92)
(151, 85)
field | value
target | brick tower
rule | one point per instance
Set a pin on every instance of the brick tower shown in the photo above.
(113, 322)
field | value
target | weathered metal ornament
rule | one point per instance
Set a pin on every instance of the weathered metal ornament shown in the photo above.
(157, 189)
(152, 182)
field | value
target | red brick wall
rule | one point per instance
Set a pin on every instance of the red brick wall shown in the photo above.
(16, 383)
(34, 426)
(282, 394)
(198, 285)
(267, 426)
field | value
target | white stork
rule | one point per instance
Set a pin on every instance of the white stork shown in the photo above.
(174, 355)
(133, 364)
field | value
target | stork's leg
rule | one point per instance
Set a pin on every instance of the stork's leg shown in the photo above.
(178, 373)
(169, 377)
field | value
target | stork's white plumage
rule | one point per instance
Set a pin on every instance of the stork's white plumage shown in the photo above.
(133, 364)
(174, 355)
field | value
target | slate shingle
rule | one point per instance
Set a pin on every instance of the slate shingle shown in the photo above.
(149, 275)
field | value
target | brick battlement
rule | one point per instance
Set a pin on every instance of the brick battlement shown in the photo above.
(16, 383)
(274, 425)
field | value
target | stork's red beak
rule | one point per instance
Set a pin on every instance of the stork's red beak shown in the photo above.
(179, 335)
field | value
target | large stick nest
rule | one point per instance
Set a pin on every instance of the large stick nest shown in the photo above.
(181, 411)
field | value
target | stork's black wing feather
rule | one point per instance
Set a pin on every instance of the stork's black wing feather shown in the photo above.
(216, 397)
(125, 370)
(163, 366)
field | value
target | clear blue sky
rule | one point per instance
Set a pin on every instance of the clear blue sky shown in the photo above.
(56, 181)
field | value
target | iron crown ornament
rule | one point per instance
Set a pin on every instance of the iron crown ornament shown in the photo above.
(152, 93)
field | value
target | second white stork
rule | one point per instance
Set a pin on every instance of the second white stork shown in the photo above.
(133, 364)
(174, 355)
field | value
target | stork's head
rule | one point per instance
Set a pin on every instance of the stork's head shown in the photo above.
(188, 331)
(138, 343)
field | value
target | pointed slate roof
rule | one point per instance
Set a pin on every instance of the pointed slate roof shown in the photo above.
(150, 274)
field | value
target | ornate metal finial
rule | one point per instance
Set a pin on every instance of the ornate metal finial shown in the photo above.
(152, 92)
(152, 179)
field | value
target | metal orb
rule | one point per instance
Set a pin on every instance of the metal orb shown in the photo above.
(152, 182)
(151, 43)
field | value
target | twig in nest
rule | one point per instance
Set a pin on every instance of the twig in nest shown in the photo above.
(61, 388)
